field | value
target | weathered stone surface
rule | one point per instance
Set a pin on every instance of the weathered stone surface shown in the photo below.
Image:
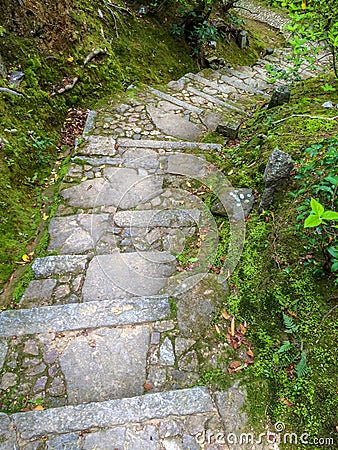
(279, 96)
(230, 404)
(38, 290)
(278, 169)
(3, 352)
(242, 204)
(31, 347)
(229, 130)
(118, 274)
(142, 158)
(169, 101)
(7, 433)
(40, 384)
(173, 124)
(242, 39)
(157, 218)
(8, 380)
(142, 436)
(167, 356)
(185, 164)
(77, 234)
(57, 387)
(58, 265)
(108, 364)
(86, 315)
(155, 338)
(197, 306)
(98, 145)
(182, 345)
(67, 441)
(121, 187)
(169, 145)
(113, 412)
(104, 440)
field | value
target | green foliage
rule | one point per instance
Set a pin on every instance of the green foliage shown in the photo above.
(290, 326)
(317, 177)
(312, 22)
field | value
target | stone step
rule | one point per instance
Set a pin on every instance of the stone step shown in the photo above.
(59, 265)
(157, 218)
(232, 81)
(119, 275)
(76, 316)
(204, 81)
(168, 420)
(175, 101)
(215, 100)
(166, 145)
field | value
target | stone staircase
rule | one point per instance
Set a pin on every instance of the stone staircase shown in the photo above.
(106, 332)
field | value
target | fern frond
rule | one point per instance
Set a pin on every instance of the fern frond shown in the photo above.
(301, 368)
(290, 326)
(284, 347)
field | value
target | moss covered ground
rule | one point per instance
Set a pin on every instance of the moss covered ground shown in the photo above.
(280, 269)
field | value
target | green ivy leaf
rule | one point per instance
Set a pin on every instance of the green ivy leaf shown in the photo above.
(330, 215)
(316, 207)
(333, 252)
(312, 221)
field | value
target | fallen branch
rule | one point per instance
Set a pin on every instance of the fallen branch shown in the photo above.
(326, 316)
(93, 54)
(10, 91)
(68, 87)
(113, 5)
(304, 115)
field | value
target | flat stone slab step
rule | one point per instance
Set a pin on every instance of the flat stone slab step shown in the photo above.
(166, 145)
(59, 265)
(204, 81)
(232, 81)
(119, 275)
(175, 101)
(116, 413)
(83, 315)
(157, 218)
(215, 100)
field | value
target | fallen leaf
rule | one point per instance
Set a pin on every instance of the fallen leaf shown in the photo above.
(38, 408)
(234, 364)
(226, 315)
(26, 258)
(233, 326)
(286, 401)
(147, 386)
(242, 328)
(70, 59)
(217, 329)
(250, 353)
(44, 216)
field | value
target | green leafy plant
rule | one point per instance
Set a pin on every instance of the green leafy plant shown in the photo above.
(319, 216)
(291, 351)
(313, 22)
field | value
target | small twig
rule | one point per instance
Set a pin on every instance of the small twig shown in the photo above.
(93, 54)
(68, 87)
(326, 316)
(10, 91)
(305, 115)
(113, 5)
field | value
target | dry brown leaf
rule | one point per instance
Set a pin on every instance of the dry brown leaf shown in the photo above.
(250, 353)
(226, 315)
(286, 401)
(147, 386)
(235, 364)
(38, 408)
(217, 329)
(232, 327)
(242, 328)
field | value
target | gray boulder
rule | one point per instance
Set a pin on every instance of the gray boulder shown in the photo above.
(280, 96)
(277, 171)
